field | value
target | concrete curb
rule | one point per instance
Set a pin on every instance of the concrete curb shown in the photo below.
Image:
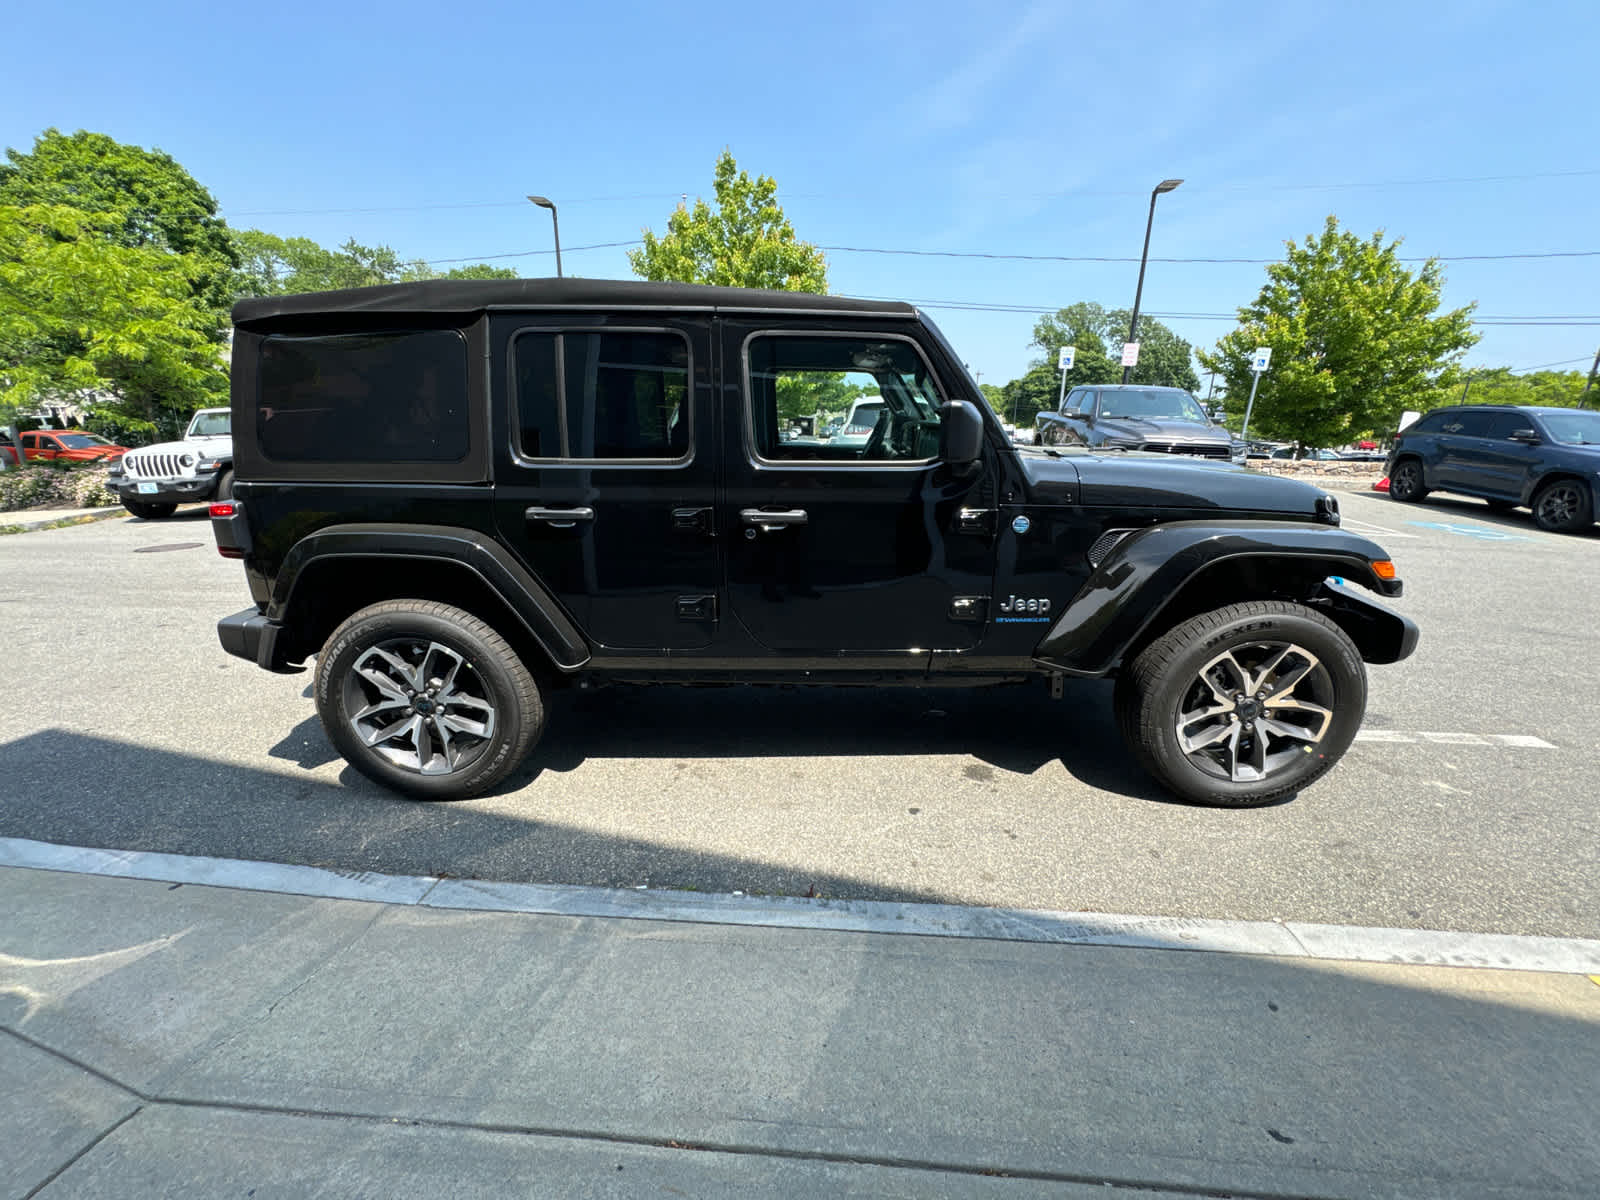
(1279, 939)
(59, 519)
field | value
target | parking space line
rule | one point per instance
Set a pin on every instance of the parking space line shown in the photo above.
(1368, 529)
(1519, 741)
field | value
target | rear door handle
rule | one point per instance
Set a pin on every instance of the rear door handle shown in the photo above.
(768, 520)
(559, 518)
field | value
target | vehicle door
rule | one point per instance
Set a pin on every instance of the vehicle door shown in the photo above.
(605, 474)
(849, 548)
(1493, 463)
(1459, 442)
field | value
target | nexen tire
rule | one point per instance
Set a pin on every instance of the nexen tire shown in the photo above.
(400, 685)
(1169, 682)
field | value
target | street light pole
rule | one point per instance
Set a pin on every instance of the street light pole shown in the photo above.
(1166, 185)
(555, 224)
(1583, 399)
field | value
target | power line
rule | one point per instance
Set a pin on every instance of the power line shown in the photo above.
(1253, 262)
(529, 253)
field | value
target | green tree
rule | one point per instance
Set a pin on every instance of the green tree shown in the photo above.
(1497, 385)
(83, 316)
(1022, 399)
(1165, 359)
(1356, 339)
(745, 242)
(275, 266)
(147, 199)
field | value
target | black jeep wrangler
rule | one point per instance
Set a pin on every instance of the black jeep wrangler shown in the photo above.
(458, 496)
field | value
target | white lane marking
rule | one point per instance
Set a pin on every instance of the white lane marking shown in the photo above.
(1522, 741)
(1281, 939)
(1368, 529)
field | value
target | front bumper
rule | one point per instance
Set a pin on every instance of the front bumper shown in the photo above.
(249, 635)
(170, 491)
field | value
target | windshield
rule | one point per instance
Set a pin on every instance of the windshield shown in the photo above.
(1579, 428)
(1151, 404)
(211, 424)
(82, 441)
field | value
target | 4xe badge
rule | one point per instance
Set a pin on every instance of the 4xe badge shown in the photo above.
(1019, 610)
(1021, 525)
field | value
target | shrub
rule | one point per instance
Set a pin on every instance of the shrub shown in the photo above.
(54, 486)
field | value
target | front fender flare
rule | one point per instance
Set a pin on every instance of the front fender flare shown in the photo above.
(1137, 579)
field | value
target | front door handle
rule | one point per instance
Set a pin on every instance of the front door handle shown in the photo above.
(767, 520)
(559, 518)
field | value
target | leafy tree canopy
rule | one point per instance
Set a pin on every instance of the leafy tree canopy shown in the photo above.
(275, 266)
(84, 316)
(1497, 385)
(746, 241)
(150, 202)
(1356, 339)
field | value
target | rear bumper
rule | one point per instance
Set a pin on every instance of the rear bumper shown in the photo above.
(251, 636)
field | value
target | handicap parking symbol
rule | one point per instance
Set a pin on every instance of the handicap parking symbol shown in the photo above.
(1476, 532)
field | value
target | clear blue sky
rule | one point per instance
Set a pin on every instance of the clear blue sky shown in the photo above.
(1034, 129)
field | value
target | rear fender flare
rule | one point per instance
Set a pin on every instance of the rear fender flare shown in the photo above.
(533, 605)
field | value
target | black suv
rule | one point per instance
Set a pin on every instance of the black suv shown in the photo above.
(1545, 458)
(1159, 420)
(458, 496)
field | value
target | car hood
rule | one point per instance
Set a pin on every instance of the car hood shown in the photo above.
(1145, 481)
(1154, 429)
(200, 447)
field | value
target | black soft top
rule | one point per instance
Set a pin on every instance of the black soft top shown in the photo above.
(477, 295)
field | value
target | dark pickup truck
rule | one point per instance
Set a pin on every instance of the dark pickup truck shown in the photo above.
(459, 496)
(1157, 420)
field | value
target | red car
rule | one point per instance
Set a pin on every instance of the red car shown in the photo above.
(70, 445)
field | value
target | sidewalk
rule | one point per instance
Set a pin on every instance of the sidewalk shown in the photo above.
(173, 1039)
(28, 519)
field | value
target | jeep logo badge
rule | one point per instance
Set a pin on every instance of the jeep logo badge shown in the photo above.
(1017, 604)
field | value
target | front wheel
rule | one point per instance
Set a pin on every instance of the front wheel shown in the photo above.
(426, 699)
(1407, 483)
(1244, 705)
(1564, 506)
(148, 510)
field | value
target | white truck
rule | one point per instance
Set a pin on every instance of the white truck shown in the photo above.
(153, 480)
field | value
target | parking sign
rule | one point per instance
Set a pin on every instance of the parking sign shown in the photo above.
(1263, 356)
(1130, 354)
(1068, 354)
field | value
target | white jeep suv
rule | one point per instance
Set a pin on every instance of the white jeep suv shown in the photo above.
(153, 480)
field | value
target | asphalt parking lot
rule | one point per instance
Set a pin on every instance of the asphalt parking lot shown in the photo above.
(1471, 802)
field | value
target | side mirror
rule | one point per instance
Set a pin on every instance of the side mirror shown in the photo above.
(960, 433)
(1529, 436)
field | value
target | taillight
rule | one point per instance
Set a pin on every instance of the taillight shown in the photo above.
(222, 509)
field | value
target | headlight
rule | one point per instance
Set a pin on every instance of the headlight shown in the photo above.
(187, 461)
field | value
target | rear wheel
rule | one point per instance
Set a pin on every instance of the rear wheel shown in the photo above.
(150, 510)
(1406, 483)
(427, 699)
(1564, 506)
(1243, 705)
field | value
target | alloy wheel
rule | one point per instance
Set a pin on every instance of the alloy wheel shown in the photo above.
(1255, 711)
(420, 705)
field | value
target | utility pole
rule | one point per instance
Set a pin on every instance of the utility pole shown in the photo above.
(1583, 400)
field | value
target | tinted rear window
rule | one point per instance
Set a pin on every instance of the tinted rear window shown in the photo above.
(364, 397)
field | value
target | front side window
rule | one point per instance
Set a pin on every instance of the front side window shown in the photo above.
(870, 399)
(1575, 427)
(364, 397)
(610, 395)
(82, 441)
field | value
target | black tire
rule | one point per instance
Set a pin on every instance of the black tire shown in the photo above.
(1406, 484)
(1266, 641)
(149, 510)
(1564, 506)
(225, 485)
(427, 643)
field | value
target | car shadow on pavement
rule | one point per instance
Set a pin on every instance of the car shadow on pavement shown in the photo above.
(1015, 729)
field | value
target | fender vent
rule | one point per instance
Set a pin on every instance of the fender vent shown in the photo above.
(1104, 543)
